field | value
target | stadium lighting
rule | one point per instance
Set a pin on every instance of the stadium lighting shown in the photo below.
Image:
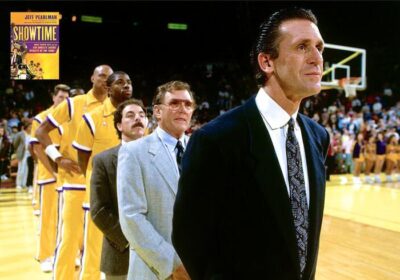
(177, 26)
(92, 19)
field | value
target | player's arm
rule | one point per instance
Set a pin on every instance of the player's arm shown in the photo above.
(84, 140)
(53, 121)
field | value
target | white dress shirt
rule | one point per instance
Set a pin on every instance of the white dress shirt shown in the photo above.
(276, 120)
(170, 144)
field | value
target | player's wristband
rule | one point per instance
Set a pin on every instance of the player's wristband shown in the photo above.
(52, 152)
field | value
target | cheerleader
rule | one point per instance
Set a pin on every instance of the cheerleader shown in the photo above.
(370, 158)
(380, 156)
(358, 157)
(391, 157)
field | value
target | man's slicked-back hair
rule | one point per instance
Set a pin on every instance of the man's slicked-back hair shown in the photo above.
(268, 37)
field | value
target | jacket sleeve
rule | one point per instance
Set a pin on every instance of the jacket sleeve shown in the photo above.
(196, 212)
(150, 246)
(103, 213)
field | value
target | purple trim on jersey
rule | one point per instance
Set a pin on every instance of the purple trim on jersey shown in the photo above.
(380, 148)
(46, 183)
(73, 189)
(88, 124)
(80, 149)
(69, 108)
(36, 119)
(32, 142)
(51, 122)
(86, 208)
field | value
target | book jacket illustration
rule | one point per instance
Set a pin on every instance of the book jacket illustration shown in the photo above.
(35, 45)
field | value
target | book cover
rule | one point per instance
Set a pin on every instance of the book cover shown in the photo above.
(35, 45)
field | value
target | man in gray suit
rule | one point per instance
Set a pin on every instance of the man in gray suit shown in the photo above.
(21, 145)
(148, 173)
(130, 121)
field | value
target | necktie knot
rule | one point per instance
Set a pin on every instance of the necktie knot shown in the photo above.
(291, 124)
(179, 154)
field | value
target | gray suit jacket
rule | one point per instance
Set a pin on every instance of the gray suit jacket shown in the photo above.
(104, 211)
(147, 185)
(19, 145)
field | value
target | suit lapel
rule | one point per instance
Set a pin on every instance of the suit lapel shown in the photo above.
(115, 157)
(273, 187)
(315, 167)
(163, 163)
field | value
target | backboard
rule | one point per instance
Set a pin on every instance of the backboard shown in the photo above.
(344, 62)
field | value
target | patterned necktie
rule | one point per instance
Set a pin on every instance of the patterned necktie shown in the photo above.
(179, 155)
(298, 198)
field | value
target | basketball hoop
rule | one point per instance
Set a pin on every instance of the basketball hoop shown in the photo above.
(349, 85)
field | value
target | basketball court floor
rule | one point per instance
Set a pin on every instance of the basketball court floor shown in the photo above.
(360, 236)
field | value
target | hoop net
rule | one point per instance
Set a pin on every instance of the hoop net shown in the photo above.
(350, 86)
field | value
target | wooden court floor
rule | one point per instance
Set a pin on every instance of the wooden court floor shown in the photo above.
(360, 236)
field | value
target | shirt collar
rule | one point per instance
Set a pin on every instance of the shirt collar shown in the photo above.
(108, 107)
(274, 114)
(90, 98)
(169, 139)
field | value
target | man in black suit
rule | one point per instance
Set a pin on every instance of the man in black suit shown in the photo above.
(251, 194)
(130, 121)
(16, 58)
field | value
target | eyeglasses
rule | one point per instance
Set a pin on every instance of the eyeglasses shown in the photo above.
(174, 105)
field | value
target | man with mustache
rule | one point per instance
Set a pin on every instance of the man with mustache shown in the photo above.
(147, 180)
(95, 134)
(130, 122)
(251, 194)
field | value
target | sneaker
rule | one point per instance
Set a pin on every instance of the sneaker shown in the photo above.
(77, 262)
(30, 189)
(356, 180)
(4, 177)
(46, 265)
(36, 212)
(369, 180)
(19, 188)
(377, 179)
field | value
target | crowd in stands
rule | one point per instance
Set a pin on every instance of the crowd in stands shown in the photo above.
(220, 87)
(364, 132)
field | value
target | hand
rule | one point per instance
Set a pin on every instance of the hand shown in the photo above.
(180, 273)
(68, 165)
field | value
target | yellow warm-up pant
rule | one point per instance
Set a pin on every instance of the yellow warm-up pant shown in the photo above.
(59, 214)
(71, 234)
(92, 245)
(47, 221)
(35, 193)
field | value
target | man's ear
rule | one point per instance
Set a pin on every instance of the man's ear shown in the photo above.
(265, 63)
(157, 111)
(119, 126)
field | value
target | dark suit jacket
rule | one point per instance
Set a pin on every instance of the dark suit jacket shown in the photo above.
(104, 211)
(16, 60)
(232, 217)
